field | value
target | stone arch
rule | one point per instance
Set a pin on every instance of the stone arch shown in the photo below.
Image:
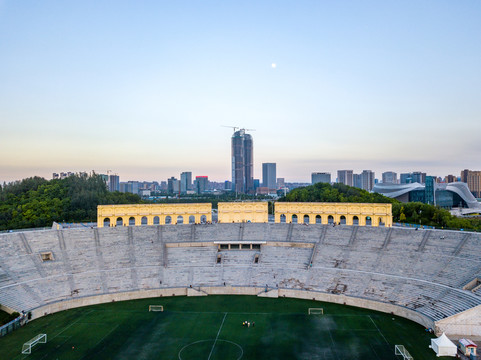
(168, 219)
(306, 219)
(368, 221)
(191, 219)
(318, 219)
(156, 220)
(355, 220)
(119, 221)
(131, 221)
(144, 221)
(283, 218)
(106, 222)
(294, 219)
(180, 219)
(330, 219)
(203, 219)
(342, 220)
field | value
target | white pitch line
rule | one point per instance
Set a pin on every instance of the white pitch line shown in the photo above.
(218, 332)
(110, 332)
(81, 316)
(378, 330)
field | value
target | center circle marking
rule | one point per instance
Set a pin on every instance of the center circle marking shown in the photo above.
(218, 340)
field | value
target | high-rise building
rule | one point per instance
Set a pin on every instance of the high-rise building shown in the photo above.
(114, 183)
(269, 175)
(130, 187)
(345, 177)
(201, 184)
(173, 185)
(281, 182)
(242, 162)
(418, 177)
(320, 177)
(228, 185)
(389, 177)
(185, 182)
(357, 180)
(405, 178)
(473, 179)
(367, 180)
(450, 179)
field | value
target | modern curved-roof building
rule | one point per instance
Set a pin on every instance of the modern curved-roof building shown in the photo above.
(445, 195)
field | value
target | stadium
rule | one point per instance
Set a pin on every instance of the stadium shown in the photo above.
(305, 275)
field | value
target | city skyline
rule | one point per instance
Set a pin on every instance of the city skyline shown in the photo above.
(144, 90)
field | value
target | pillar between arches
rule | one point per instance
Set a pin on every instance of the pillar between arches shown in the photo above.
(300, 218)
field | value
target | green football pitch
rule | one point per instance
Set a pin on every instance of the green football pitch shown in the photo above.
(211, 328)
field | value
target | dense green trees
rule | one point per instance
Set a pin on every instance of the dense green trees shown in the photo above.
(412, 213)
(36, 202)
(6, 317)
(423, 214)
(323, 192)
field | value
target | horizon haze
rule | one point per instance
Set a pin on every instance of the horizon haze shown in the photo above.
(144, 89)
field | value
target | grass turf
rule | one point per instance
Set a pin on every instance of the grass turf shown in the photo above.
(211, 328)
(4, 317)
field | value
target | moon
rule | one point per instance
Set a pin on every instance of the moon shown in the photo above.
(273, 65)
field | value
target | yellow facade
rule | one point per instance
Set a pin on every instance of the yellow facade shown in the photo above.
(338, 213)
(153, 214)
(229, 212)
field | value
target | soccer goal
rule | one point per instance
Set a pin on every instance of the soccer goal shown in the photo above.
(39, 339)
(401, 350)
(316, 311)
(156, 308)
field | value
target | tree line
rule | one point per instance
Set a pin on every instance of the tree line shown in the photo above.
(37, 202)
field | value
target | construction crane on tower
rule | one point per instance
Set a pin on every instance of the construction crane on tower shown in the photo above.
(237, 127)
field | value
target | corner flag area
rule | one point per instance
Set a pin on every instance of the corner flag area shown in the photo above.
(219, 327)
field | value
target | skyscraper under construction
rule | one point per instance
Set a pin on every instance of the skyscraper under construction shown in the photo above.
(242, 163)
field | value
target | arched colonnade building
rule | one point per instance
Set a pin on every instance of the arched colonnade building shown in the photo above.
(334, 213)
(235, 212)
(153, 214)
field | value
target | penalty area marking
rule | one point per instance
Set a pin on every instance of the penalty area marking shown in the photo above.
(218, 340)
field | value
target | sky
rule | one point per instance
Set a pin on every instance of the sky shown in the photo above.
(145, 89)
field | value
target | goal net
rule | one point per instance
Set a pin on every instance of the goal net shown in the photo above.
(316, 311)
(156, 308)
(401, 350)
(39, 339)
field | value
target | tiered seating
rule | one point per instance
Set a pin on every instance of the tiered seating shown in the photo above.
(192, 256)
(338, 235)
(306, 233)
(421, 270)
(289, 257)
(238, 258)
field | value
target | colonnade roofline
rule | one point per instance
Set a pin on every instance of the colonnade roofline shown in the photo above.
(361, 214)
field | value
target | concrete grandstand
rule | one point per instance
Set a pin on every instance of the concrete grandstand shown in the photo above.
(431, 277)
